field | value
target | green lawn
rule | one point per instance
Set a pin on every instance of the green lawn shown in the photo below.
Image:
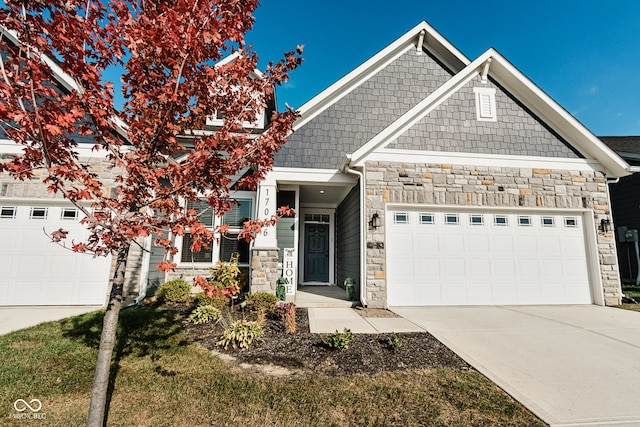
(632, 291)
(163, 380)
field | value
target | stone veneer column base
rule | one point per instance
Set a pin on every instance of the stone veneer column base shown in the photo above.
(264, 269)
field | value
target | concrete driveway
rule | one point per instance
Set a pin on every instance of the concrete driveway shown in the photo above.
(570, 365)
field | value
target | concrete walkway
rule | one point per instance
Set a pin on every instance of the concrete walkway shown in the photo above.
(570, 365)
(15, 318)
(328, 320)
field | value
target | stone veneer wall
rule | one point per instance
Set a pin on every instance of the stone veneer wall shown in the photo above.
(454, 185)
(264, 269)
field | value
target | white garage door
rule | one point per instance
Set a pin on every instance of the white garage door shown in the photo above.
(485, 258)
(36, 271)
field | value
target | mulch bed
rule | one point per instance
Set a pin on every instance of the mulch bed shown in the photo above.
(304, 352)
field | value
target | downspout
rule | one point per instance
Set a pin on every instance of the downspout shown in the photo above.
(344, 168)
(144, 273)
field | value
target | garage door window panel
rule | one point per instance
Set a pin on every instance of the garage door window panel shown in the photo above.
(570, 222)
(38, 213)
(477, 220)
(8, 212)
(69, 214)
(401, 218)
(500, 220)
(427, 218)
(452, 219)
(524, 221)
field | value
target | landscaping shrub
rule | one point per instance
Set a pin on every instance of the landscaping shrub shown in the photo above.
(288, 315)
(174, 291)
(218, 301)
(394, 342)
(262, 303)
(205, 314)
(240, 334)
(339, 340)
(223, 279)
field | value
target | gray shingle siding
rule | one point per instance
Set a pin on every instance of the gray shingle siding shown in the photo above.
(361, 114)
(348, 238)
(453, 127)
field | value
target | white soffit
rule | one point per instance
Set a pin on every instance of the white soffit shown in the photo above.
(434, 42)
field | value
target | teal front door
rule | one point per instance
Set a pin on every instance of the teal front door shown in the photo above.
(316, 253)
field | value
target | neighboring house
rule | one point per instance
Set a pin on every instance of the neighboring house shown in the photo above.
(37, 271)
(625, 203)
(430, 179)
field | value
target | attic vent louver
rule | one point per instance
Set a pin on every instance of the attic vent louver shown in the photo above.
(485, 104)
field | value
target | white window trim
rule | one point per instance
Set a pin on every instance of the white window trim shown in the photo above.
(215, 245)
(485, 104)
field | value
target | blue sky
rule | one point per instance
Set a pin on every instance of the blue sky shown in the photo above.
(584, 54)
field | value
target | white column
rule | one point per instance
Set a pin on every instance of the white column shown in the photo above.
(266, 207)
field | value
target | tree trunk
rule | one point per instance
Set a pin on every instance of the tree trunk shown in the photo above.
(107, 343)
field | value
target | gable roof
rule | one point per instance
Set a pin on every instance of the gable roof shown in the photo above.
(497, 67)
(422, 35)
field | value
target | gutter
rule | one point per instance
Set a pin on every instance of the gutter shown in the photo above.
(144, 272)
(344, 168)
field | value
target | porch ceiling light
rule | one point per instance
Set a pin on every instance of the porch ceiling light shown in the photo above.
(374, 222)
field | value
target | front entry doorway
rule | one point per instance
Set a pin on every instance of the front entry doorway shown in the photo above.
(316, 253)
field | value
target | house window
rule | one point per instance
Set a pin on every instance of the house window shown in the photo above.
(451, 219)
(320, 218)
(485, 104)
(476, 219)
(426, 218)
(547, 221)
(400, 218)
(500, 220)
(69, 213)
(38, 213)
(524, 221)
(570, 222)
(229, 243)
(8, 212)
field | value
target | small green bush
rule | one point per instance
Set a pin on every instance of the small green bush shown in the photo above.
(218, 301)
(339, 340)
(174, 291)
(262, 300)
(394, 342)
(205, 314)
(240, 334)
(262, 303)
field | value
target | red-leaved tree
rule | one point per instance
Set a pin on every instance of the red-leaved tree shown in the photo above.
(171, 85)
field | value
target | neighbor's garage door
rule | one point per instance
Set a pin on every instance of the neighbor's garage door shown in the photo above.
(36, 271)
(485, 258)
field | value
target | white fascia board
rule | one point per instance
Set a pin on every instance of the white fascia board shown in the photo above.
(417, 113)
(84, 150)
(554, 115)
(308, 176)
(65, 79)
(235, 55)
(488, 160)
(451, 56)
